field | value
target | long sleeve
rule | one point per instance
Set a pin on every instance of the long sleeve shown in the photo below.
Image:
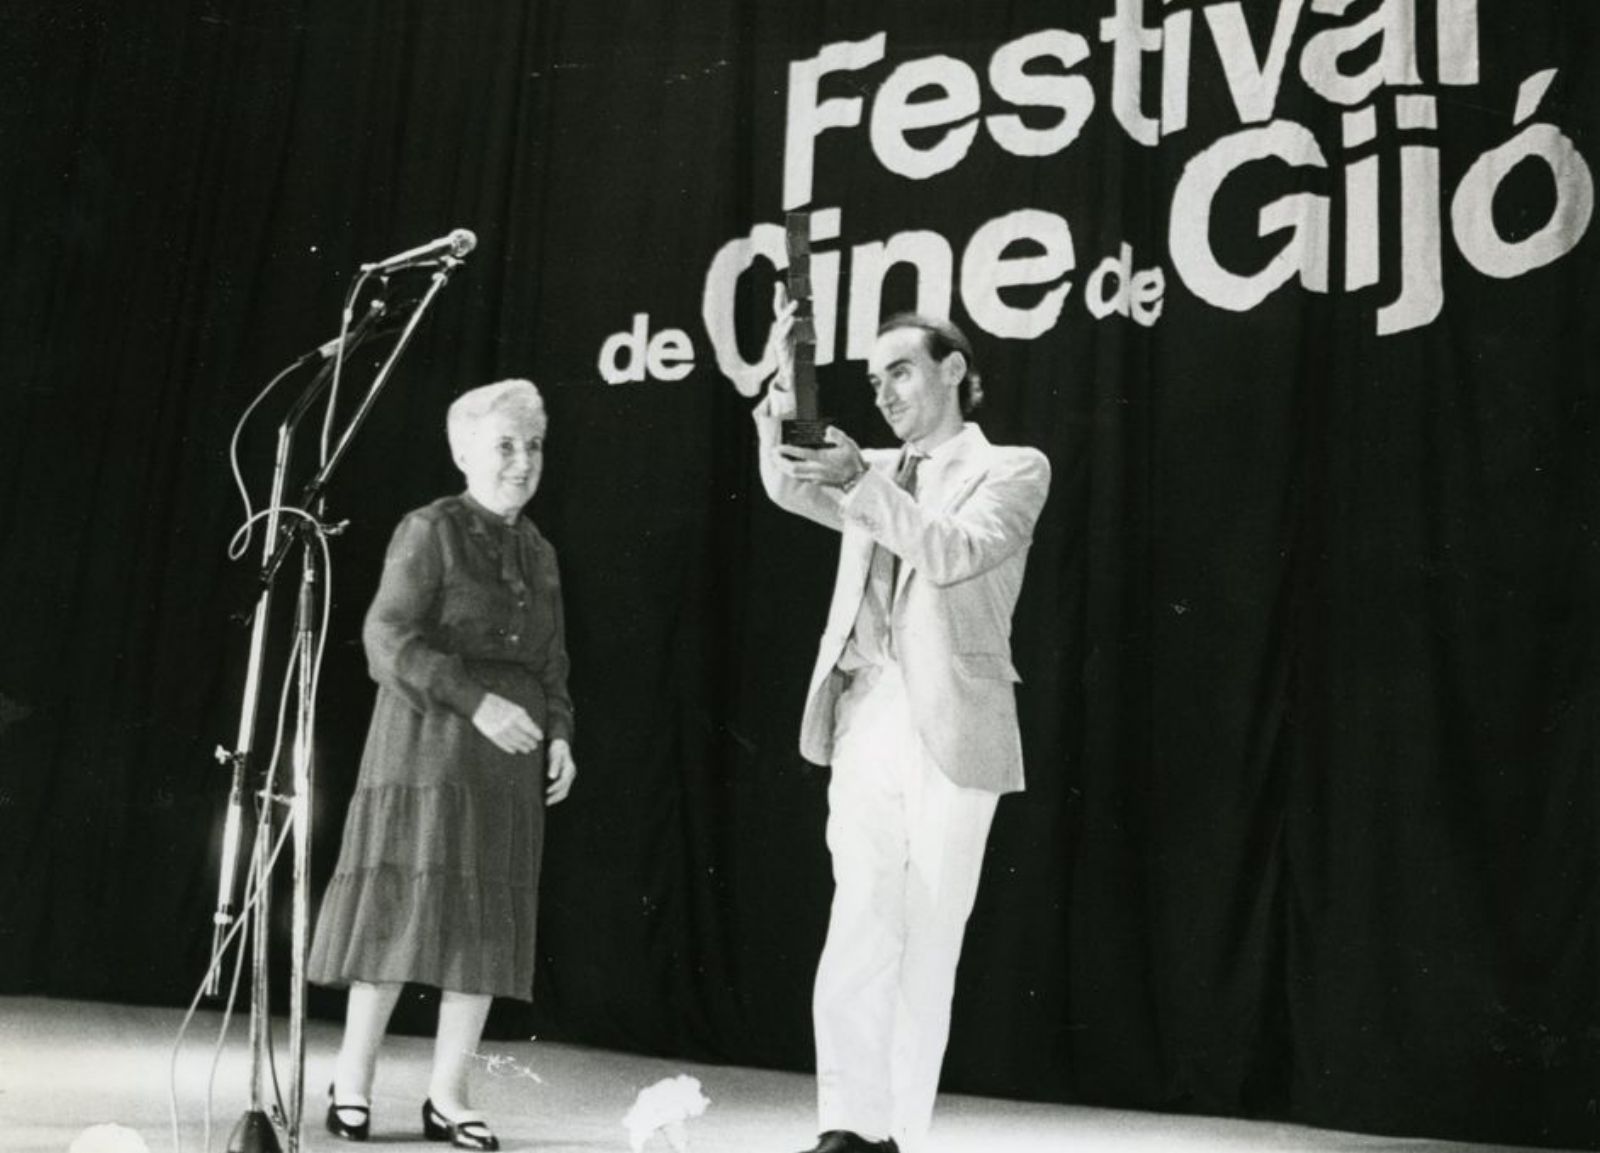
(987, 527)
(560, 720)
(812, 501)
(398, 635)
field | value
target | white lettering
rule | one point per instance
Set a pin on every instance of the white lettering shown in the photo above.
(1253, 86)
(825, 225)
(1177, 34)
(717, 305)
(1395, 21)
(1472, 210)
(1189, 228)
(670, 354)
(1138, 294)
(927, 252)
(630, 343)
(985, 270)
(1131, 39)
(1362, 236)
(1072, 95)
(1421, 263)
(808, 118)
(1458, 41)
(894, 114)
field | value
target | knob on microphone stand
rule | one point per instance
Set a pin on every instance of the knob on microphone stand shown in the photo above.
(222, 919)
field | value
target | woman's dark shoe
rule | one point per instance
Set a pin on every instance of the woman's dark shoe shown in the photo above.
(352, 1122)
(462, 1134)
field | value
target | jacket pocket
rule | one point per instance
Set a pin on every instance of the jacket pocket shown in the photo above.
(987, 666)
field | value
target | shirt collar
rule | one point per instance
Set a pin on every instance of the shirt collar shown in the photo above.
(950, 448)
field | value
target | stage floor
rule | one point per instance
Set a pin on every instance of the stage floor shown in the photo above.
(67, 1065)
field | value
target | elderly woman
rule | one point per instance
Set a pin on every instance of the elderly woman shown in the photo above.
(438, 872)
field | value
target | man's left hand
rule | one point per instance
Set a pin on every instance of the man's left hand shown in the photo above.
(837, 465)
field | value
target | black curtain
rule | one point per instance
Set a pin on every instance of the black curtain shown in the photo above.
(1308, 635)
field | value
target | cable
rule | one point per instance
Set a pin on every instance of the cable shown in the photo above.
(321, 531)
(258, 881)
(252, 896)
(263, 826)
(338, 364)
(237, 549)
(259, 876)
(227, 1017)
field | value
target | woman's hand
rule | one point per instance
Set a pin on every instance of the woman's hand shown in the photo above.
(562, 770)
(507, 724)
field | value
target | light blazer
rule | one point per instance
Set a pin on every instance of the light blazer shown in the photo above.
(963, 543)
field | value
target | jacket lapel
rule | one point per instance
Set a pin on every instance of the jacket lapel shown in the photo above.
(951, 481)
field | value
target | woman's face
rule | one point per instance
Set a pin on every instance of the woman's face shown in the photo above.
(502, 461)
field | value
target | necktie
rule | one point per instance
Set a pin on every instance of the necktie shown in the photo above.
(872, 638)
(906, 477)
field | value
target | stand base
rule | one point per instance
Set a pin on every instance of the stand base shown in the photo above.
(254, 1134)
(806, 433)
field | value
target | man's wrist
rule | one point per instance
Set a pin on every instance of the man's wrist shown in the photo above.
(855, 478)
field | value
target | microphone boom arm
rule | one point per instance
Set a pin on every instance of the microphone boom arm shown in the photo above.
(314, 487)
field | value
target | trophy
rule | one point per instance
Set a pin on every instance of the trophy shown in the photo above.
(806, 429)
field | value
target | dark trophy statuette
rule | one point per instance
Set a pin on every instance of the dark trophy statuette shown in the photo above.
(807, 428)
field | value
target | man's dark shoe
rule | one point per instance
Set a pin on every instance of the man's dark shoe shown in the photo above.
(844, 1141)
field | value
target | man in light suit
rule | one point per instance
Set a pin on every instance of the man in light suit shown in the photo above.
(911, 703)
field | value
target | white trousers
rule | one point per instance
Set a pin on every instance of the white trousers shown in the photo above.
(907, 847)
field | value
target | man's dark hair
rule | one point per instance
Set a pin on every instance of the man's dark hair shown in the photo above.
(941, 337)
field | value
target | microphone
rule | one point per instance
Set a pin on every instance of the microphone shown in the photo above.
(455, 246)
(362, 332)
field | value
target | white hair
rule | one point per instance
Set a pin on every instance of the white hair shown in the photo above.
(519, 398)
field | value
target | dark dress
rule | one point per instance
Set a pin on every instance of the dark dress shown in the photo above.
(438, 872)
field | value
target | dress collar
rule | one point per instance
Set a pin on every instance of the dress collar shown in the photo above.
(487, 515)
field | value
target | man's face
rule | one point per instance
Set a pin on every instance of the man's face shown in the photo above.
(502, 460)
(916, 394)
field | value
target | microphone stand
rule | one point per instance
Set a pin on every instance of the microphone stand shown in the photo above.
(240, 757)
(254, 1132)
